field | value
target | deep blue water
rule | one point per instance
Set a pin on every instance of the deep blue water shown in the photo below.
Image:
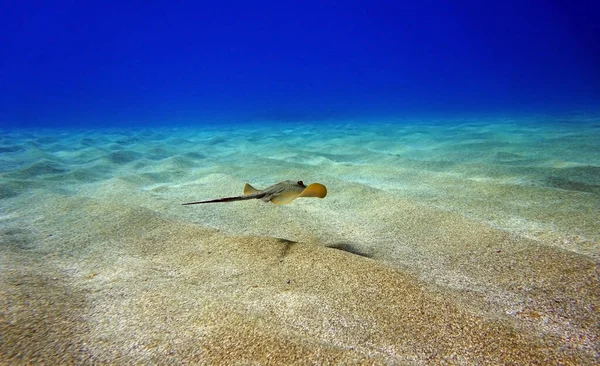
(93, 64)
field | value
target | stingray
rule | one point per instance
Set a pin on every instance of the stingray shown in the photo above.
(281, 193)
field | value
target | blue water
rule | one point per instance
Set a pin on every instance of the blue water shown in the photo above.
(97, 64)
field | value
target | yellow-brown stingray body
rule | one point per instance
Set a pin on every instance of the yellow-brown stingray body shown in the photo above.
(281, 193)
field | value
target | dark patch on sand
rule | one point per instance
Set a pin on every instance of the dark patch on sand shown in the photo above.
(178, 141)
(430, 165)
(8, 190)
(580, 179)
(87, 141)
(287, 244)
(91, 173)
(16, 239)
(588, 174)
(571, 185)
(157, 153)
(127, 141)
(12, 188)
(181, 161)
(286, 241)
(217, 140)
(46, 140)
(123, 157)
(478, 146)
(194, 155)
(350, 248)
(41, 168)
(506, 156)
(11, 149)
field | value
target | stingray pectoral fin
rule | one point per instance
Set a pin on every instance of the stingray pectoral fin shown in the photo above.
(314, 190)
(248, 189)
(284, 198)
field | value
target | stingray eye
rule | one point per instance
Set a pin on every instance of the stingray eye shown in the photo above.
(301, 183)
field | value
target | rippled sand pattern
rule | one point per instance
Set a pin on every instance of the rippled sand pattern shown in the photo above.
(463, 243)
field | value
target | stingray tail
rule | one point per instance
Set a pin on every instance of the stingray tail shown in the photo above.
(226, 199)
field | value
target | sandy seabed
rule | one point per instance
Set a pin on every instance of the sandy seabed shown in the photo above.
(455, 242)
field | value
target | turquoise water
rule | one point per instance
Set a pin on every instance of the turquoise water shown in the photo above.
(524, 167)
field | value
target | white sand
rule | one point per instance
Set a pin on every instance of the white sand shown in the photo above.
(462, 244)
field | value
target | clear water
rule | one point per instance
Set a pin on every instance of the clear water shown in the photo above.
(459, 143)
